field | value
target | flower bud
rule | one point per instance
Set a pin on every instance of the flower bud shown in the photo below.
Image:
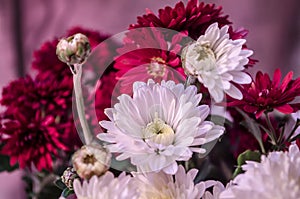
(68, 177)
(74, 49)
(91, 160)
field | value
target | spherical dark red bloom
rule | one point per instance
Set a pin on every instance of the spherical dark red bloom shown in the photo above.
(193, 18)
(34, 121)
(264, 94)
(31, 141)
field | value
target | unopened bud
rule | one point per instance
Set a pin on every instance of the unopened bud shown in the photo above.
(74, 49)
(68, 177)
(91, 160)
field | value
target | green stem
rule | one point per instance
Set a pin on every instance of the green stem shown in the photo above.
(189, 80)
(294, 129)
(80, 104)
(271, 129)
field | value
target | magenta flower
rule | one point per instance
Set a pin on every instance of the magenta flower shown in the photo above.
(145, 55)
(264, 94)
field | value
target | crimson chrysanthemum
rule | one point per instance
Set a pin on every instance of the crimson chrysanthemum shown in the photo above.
(264, 94)
(147, 54)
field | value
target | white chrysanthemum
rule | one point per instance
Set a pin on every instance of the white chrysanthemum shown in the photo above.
(164, 186)
(216, 191)
(159, 125)
(106, 187)
(216, 61)
(277, 176)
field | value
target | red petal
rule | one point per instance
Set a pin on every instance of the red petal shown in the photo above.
(250, 109)
(286, 81)
(276, 78)
(259, 113)
(287, 109)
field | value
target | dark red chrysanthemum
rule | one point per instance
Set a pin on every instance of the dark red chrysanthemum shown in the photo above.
(36, 114)
(44, 93)
(31, 141)
(265, 95)
(31, 123)
(193, 18)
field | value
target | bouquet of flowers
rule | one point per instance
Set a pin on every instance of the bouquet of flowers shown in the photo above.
(165, 109)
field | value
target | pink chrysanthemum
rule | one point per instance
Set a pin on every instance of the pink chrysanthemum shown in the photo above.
(264, 94)
(160, 125)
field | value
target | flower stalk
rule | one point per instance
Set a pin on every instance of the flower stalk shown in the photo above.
(74, 51)
(80, 104)
(271, 129)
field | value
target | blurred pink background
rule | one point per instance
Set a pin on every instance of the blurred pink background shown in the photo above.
(25, 24)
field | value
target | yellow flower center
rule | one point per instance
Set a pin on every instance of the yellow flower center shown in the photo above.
(159, 132)
(205, 57)
(157, 67)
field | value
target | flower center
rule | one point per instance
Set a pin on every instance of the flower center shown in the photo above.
(264, 93)
(205, 57)
(157, 67)
(89, 159)
(159, 132)
(201, 59)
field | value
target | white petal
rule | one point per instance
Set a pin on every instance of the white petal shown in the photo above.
(234, 92)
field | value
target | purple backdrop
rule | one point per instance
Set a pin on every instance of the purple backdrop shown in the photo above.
(274, 35)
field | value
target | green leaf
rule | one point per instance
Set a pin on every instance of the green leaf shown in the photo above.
(5, 165)
(60, 184)
(295, 138)
(219, 120)
(66, 192)
(253, 127)
(243, 157)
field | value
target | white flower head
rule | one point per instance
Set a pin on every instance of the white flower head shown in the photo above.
(159, 125)
(277, 176)
(218, 188)
(180, 186)
(217, 61)
(106, 187)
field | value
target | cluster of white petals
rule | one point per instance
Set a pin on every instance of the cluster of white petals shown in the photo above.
(276, 176)
(106, 187)
(217, 61)
(181, 186)
(159, 125)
